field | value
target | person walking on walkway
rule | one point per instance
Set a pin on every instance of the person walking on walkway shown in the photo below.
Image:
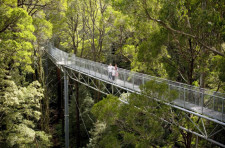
(113, 73)
(110, 71)
(116, 71)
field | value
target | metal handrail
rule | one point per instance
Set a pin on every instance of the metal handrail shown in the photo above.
(187, 93)
(155, 78)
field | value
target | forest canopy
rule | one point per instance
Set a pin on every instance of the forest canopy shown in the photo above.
(179, 40)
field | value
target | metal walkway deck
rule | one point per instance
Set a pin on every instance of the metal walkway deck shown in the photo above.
(201, 102)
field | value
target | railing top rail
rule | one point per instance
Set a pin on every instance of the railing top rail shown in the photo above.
(141, 75)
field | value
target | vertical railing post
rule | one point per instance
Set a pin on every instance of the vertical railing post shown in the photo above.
(64, 55)
(101, 68)
(196, 142)
(193, 95)
(202, 100)
(66, 108)
(143, 80)
(89, 67)
(179, 92)
(169, 88)
(222, 107)
(86, 65)
(133, 81)
(95, 68)
(124, 77)
(112, 89)
(82, 64)
(184, 96)
(76, 63)
(79, 64)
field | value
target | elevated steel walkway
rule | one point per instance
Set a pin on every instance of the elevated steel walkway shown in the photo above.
(200, 102)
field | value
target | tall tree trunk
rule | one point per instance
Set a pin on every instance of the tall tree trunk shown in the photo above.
(189, 139)
(202, 84)
(35, 74)
(83, 36)
(97, 93)
(191, 68)
(60, 102)
(39, 75)
(98, 98)
(45, 112)
(74, 45)
(93, 41)
(202, 75)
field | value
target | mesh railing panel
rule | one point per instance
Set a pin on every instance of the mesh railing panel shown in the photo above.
(203, 98)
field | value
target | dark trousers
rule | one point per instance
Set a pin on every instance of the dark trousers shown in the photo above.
(110, 75)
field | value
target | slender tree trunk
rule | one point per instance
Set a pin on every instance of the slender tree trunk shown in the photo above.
(35, 74)
(202, 72)
(74, 45)
(97, 93)
(98, 98)
(93, 41)
(82, 50)
(83, 38)
(202, 75)
(45, 112)
(189, 139)
(39, 75)
(191, 68)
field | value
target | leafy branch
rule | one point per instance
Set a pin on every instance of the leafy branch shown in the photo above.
(213, 49)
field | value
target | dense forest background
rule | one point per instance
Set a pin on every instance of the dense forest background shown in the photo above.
(180, 40)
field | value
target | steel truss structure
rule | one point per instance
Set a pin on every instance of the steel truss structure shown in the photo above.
(96, 84)
(197, 127)
(197, 122)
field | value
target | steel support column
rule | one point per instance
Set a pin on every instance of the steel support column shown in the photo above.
(66, 109)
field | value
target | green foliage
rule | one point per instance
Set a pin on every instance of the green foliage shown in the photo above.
(142, 34)
(16, 35)
(152, 47)
(20, 101)
(129, 138)
(43, 28)
(163, 52)
(221, 63)
(97, 133)
(20, 112)
(136, 124)
(109, 141)
(106, 110)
